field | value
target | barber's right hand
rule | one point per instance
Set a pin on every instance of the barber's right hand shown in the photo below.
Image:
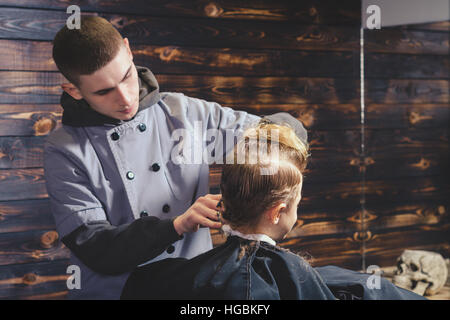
(203, 213)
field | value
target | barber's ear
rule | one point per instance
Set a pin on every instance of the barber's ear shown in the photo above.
(72, 90)
(127, 45)
(274, 213)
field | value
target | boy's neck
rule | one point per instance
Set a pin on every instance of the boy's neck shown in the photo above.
(249, 233)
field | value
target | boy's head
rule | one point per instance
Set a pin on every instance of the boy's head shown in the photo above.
(99, 65)
(265, 203)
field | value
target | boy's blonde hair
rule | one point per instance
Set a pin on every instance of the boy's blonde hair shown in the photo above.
(246, 192)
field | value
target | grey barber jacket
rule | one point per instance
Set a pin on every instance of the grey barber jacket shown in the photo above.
(116, 186)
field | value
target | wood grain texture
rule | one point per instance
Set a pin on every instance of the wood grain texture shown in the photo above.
(197, 61)
(39, 280)
(17, 87)
(29, 120)
(413, 91)
(25, 215)
(384, 215)
(21, 184)
(21, 152)
(404, 116)
(30, 247)
(391, 66)
(403, 40)
(34, 24)
(37, 56)
(308, 12)
(432, 26)
(406, 152)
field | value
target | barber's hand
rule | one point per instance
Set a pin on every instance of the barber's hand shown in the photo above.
(202, 213)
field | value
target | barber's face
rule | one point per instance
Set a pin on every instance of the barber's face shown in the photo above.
(114, 89)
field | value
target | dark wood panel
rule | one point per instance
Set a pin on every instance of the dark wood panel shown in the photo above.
(31, 246)
(18, 87)
(380, 65)
(267, 90)
(392, 116)
(30, 87)
(43, 25)
(26, 215)
(407, 190)
(21, 152)
(311, 12)
(401, 40)
(434, 26)
(414, 91)
(407, 153)
(37, 56)
(29, 120)
(45, 279)
(383, 248)
(313, 116)
(20, 184)
(27, 55)
(384, 216)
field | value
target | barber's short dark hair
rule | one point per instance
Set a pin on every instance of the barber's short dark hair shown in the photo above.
(83, 51)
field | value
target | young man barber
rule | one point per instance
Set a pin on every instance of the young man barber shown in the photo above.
(118, 198)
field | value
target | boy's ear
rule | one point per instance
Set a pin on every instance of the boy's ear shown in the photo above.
(274, 213)
(73, 91)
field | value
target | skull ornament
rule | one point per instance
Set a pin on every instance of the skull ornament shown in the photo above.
(422, 272)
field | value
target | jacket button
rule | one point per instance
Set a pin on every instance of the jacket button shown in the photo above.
(142, 127)
(130, 175)
(155, 167)
(170, 249)
(166, 208)
(144, 213)
(115, 136)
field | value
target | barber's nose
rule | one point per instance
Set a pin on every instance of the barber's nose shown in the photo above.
(123, 97)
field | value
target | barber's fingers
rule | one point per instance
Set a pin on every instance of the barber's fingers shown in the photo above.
(208, 223)
(210, 200)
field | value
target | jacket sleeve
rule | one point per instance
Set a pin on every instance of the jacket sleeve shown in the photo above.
(284, 118)
(82, 222)
(231, 123)
(114, 250)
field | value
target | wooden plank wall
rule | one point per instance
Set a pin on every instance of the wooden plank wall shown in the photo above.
(407, 159)
(263, 57)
